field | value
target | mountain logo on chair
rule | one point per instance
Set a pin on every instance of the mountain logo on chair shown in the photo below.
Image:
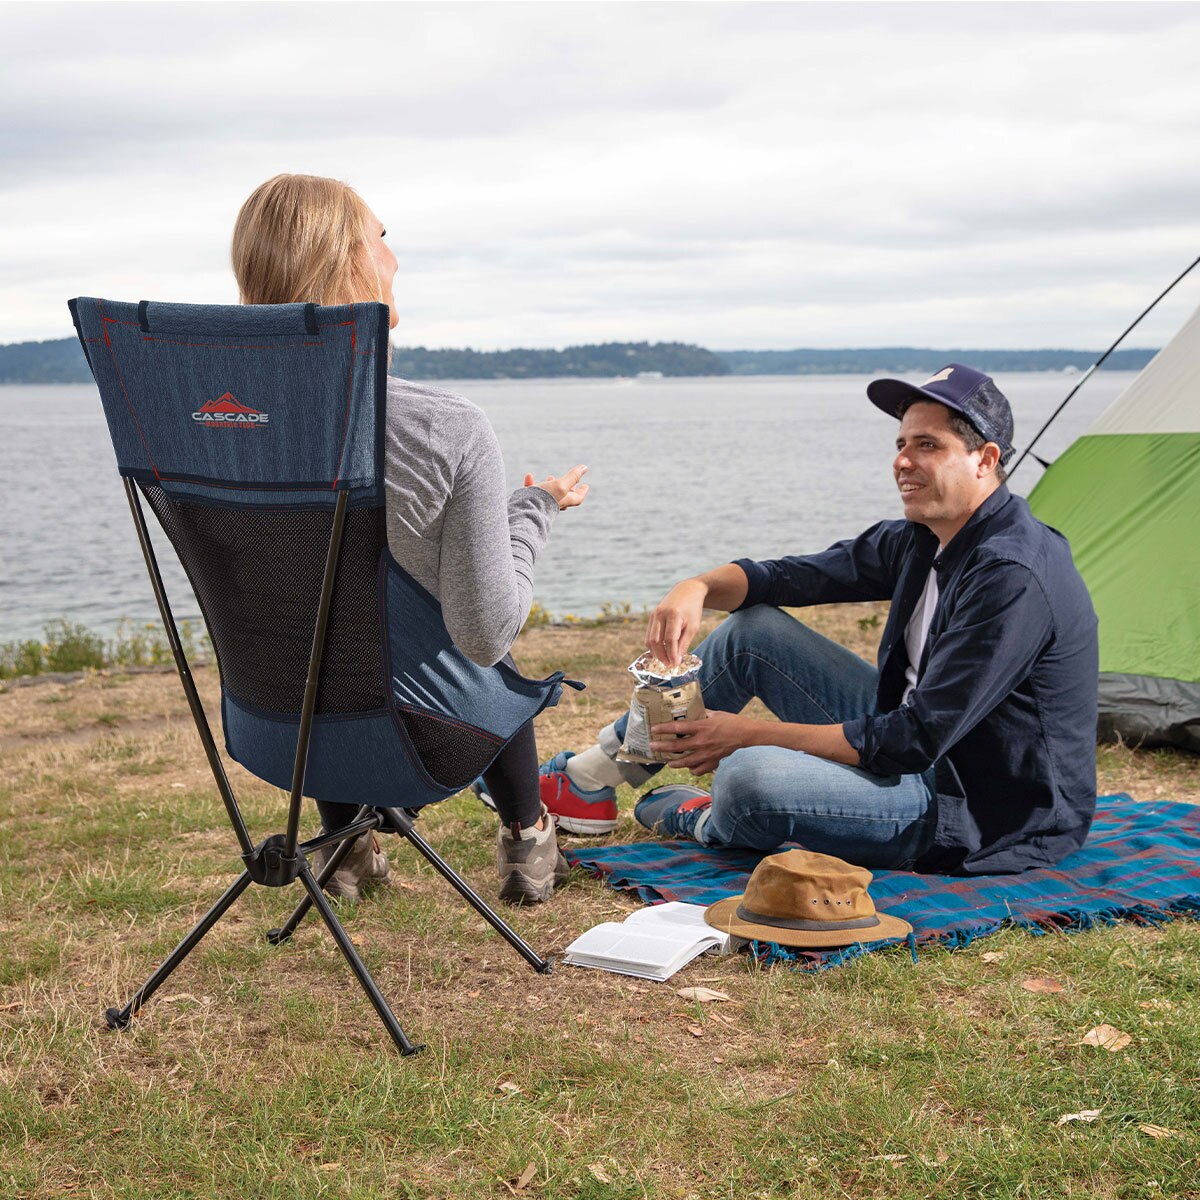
(227, 412)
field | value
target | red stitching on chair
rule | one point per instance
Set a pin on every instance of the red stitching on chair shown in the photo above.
(349, 398)
(465, 726)
(219, 346)
(149, 337)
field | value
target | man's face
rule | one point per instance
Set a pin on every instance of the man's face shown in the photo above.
(941, 482)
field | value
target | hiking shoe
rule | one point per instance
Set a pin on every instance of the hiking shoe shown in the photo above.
(365, 864)
(673, 810)
(530, 866)
(589, 813)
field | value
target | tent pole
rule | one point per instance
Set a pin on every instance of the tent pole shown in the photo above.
(1095, 366)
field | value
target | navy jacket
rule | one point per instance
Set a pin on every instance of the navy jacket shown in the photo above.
(1005, 703)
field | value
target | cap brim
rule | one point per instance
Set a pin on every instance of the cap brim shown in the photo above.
(888, 394)
(723, 916)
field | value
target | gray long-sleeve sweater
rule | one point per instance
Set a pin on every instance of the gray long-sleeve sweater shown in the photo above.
(451, 523)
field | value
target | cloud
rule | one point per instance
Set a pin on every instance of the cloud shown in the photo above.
(732, 174)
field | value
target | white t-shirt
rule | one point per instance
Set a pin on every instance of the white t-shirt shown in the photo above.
(917, 630)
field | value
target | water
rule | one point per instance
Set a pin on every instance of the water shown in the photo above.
(685, 474)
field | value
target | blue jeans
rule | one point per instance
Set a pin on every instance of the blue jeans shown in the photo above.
(764, 796)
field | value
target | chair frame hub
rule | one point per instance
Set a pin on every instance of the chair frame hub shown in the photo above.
(270, 865)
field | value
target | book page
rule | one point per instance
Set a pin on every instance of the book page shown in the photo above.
(673, 914)
(628, 952)
(638, 947)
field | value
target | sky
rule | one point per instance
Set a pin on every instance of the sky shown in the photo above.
(735, 175)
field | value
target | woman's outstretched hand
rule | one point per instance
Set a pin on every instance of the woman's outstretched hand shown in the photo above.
(566, 489)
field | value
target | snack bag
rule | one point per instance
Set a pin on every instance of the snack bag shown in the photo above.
(663, 693)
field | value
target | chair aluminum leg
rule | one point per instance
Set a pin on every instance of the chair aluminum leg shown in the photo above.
(285, 931)
(308, 707)
(402, 823)
(185, 675)
(317, 896)
(119, 1018)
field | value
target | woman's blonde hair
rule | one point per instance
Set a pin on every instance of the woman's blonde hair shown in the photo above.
(302, 239)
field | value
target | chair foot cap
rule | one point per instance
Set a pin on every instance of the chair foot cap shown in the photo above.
(117, 1018)
(277, 937)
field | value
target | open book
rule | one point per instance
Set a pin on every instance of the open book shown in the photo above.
(652, 943)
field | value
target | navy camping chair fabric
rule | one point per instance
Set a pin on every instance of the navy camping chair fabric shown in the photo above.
(265, 403)
(241, 426)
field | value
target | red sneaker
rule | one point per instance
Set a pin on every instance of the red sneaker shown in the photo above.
(588, 813)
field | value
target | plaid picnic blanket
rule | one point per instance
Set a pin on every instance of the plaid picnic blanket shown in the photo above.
(1141, 863)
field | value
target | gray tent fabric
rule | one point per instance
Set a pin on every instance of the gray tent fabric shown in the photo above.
(1141, 710)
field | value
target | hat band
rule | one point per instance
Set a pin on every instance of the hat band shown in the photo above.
(747, 914)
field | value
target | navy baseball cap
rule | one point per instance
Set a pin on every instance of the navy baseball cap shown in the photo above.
(963, 389)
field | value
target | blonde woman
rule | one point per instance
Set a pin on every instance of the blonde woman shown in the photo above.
(451, 522)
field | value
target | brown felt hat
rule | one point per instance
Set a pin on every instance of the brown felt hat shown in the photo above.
(803, 899)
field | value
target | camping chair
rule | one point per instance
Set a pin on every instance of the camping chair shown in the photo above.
(255, 434)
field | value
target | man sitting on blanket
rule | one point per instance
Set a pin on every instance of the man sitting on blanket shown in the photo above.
(970, 750)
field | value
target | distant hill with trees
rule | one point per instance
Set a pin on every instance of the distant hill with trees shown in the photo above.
(903, 360)
(61, 361)
(57, 361)
(608, 359)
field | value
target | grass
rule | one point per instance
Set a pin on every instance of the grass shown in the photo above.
(262, 1072)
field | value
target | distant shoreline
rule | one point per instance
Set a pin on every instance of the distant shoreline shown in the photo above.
(61, 361)
(1065, 373)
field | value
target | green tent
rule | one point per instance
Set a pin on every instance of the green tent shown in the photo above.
(1127, 495)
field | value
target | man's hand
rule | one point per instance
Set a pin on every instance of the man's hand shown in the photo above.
(702, 744)
(676, 621)
(566, 489)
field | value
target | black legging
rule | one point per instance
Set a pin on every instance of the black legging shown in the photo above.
(512, 782)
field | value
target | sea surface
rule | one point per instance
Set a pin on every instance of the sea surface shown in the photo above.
(684, 474)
